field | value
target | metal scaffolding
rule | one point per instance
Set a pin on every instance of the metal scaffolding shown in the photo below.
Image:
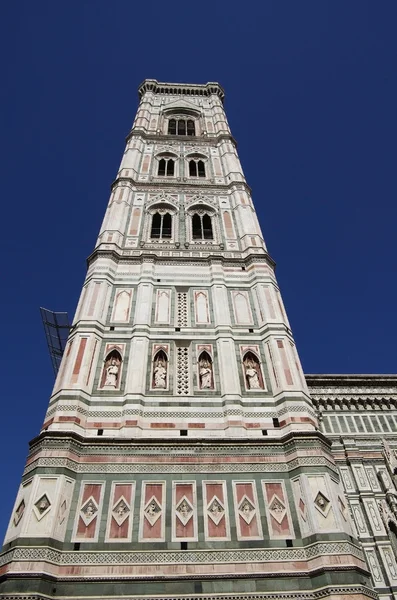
(56, 327)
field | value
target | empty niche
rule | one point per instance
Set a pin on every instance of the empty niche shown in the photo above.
(201, 307)
(205, 372)
(160, 371)
(122, 305)
(112, 370)
(252, 372)
(242, 309)
(163, 306)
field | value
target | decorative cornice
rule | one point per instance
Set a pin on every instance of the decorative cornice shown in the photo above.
(181, 89)
(211, 256)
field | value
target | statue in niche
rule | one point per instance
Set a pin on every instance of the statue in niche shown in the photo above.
(251, 367)
(160, 371)
(111, 370)
(205, 372)
(111, 374)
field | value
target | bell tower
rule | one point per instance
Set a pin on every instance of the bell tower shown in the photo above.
(180, 455)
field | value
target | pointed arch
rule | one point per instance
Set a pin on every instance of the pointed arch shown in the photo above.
(111, 370)
(205, 371)
(160, 371)
(252, 372)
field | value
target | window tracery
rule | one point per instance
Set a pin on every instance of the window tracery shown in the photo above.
(166, 167)
(181, 126)
(161, 225)
(196, 168)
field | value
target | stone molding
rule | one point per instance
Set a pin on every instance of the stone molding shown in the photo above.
(234, 467)
(325, 592)
(132, 557)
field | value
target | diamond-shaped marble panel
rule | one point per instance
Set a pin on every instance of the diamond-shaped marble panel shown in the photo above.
(19, 512)
(152, 510)
(121, 510)
(42, 506)
(246, 509)
(89, 510)
(184, 510)
(215, 510)
(322, 504)
(277, 508)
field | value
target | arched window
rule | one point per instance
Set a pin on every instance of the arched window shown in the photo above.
(172, 127)
(191, 128)
(202, 227)
(161, 226)
(181, 127)
(196, 168)
(166, 167)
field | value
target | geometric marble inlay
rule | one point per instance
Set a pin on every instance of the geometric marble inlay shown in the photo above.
(322, 504)
(152, 510)
(19, 512)
(215, 510)
(246, 509)
(184, 510)
(62, 512)
(277, 509)
(302, 508)
(89, 510)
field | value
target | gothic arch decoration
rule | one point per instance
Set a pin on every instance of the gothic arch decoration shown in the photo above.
(253, 376)
(202, 224)
(197, 165)
(159, 372)
(205, 375)
(166, 164)
(111, 372)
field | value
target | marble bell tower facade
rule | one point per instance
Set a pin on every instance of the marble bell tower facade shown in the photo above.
(180, 455)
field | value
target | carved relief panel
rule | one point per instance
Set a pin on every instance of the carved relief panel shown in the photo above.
(321, 504)
(152, 512)
(277, 510)
(215, 509)
(89, 511)
(120, 514)
(184, 511)
(246, 511)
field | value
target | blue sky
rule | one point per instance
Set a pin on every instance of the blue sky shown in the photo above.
(311, 98)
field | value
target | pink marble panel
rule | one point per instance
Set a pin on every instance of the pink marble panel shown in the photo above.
(121, 491)
(184, 530)
(246, 529)
(90, 490)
